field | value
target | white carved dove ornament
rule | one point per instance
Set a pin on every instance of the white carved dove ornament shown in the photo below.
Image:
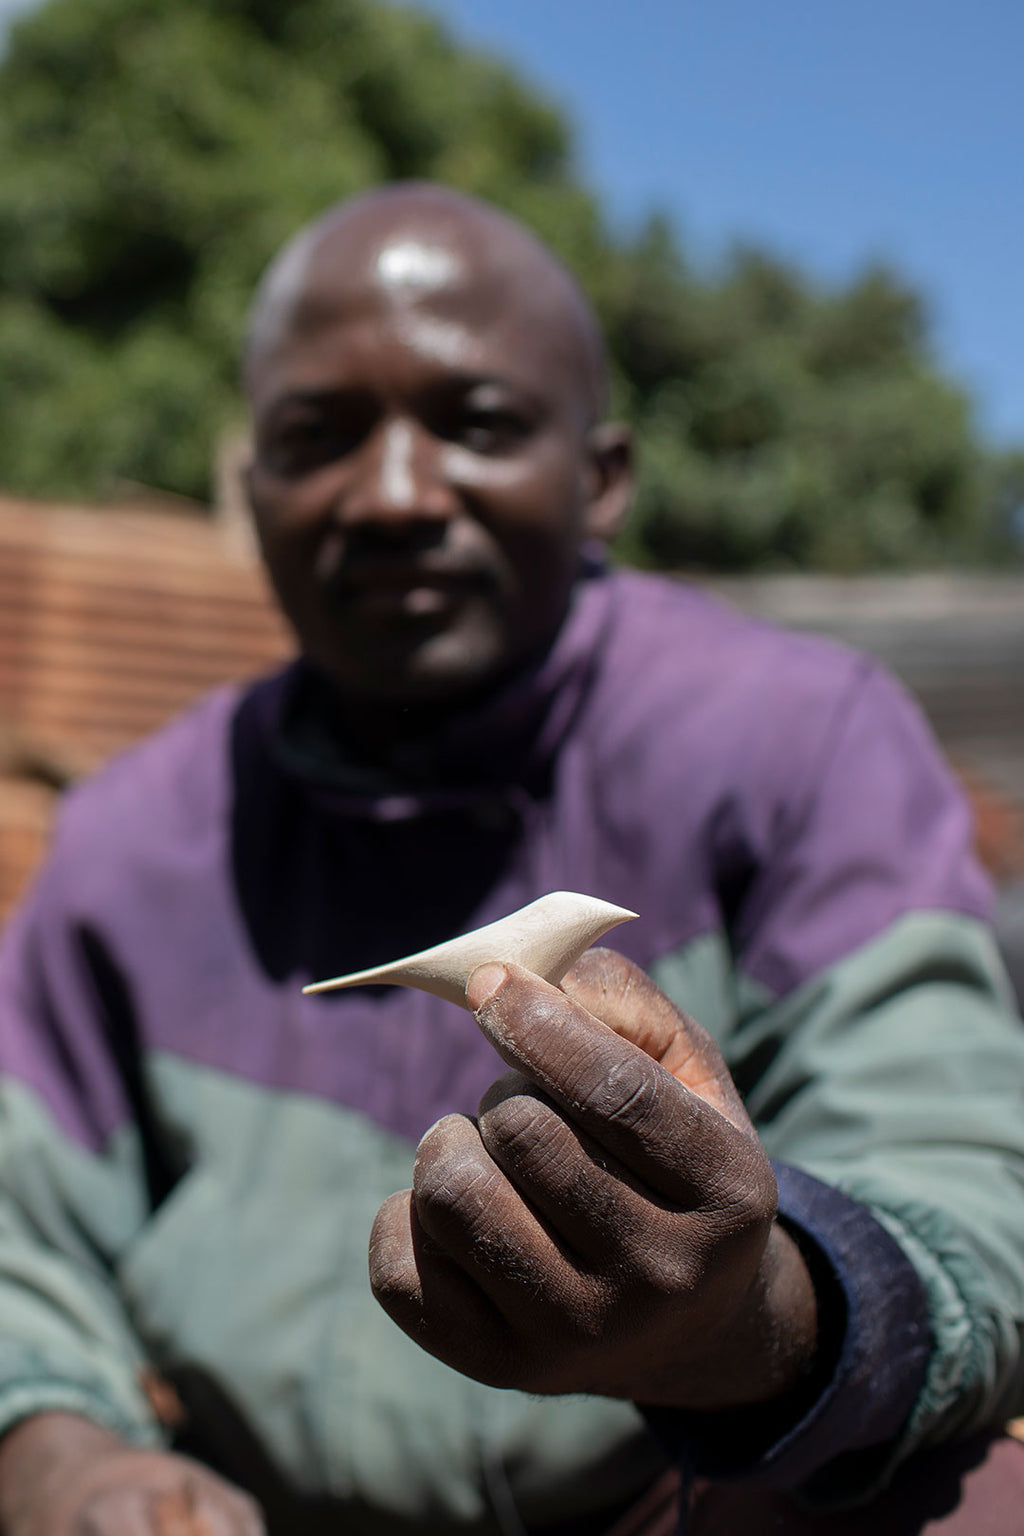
(546, 937)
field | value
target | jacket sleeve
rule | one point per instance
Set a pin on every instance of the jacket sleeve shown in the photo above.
(73, 1186)
(882, 1060)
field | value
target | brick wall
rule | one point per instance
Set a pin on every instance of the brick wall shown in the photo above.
(110, 623)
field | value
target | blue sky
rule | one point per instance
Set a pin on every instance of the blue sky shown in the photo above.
(831, 132)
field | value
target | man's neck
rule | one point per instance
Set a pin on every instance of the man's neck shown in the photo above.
(376, 730)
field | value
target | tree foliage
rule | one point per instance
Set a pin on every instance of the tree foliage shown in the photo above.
(783, 426)
(154, 155)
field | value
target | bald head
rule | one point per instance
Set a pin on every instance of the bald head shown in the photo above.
(412, 245)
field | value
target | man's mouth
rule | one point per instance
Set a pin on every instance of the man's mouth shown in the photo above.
(408, 591)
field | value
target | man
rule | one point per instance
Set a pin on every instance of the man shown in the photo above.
(194, 1153)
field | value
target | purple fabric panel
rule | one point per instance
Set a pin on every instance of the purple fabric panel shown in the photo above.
(774, 780)
(883, 831)
(49, 1039)
(720, 764)
(54, 1037)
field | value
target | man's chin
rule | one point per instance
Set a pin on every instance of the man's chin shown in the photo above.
(442, 673)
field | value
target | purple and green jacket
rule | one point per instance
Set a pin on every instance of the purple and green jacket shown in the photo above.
(191, 1152)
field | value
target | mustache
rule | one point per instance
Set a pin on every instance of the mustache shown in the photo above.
(358, 559)
(354, 575)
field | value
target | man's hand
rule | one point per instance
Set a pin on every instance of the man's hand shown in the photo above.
(606, 1225)
(61, 1475)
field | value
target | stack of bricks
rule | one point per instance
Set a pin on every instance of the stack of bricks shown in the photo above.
(110, 623)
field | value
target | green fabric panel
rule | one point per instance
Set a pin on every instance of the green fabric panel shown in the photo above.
(897, 1075)
(255, 1270)
(65, 1340)
(699, 978)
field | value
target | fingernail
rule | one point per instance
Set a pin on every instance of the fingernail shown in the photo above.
(484, 982)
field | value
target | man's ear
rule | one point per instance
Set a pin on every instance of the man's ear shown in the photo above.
(610, 456)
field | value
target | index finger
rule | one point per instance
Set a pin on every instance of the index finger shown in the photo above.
(678, 1142)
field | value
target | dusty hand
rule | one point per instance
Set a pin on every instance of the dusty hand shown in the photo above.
(62, 1476)
(606, 1225)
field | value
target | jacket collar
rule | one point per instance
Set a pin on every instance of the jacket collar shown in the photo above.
(500, 750)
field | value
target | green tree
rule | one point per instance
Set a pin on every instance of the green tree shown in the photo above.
(786, 427)
(154, 155)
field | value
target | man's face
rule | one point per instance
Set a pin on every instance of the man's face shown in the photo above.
(424, 472)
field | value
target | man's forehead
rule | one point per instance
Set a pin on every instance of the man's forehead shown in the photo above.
(403, 269)
(352, 272)
(426, 253)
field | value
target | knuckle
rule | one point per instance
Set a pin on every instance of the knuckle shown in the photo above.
(440, 1138)
(521, 1129)
(630, 1095)
(599, 975)
(764, 1189)
(389, 1216)
(601, 965)
(665, 1268)
(454, 1189)
(392, 1274)
(748, 1198)
(391, 1281)
(455, 1185)
(505, 1087)
(540, 1154)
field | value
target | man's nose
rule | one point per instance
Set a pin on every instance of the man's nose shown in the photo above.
(398, 479)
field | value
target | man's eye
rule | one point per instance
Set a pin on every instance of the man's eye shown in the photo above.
(491, 431)
(305, 444)
(308, 432)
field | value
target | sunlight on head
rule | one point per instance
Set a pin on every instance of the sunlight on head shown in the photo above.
(414, 264)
